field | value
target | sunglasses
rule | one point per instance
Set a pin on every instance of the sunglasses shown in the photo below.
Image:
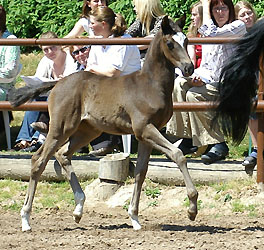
(82, 50)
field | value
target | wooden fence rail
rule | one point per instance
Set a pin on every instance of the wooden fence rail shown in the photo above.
(202, 106)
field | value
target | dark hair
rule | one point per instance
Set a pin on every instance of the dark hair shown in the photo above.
(2, 19)
(116, 22)
(86, 9)
(230, 6)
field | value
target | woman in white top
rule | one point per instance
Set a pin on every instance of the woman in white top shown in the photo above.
(55, 64)
(195, 127)
(84, 22)
(110, 60)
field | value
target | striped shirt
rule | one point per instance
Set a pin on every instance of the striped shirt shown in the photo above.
(214, 56)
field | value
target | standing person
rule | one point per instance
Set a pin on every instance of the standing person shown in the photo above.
(84, 22)
(9, 59)
(149, 17)
(246, 13)
(195, 127)
(110, 60)
(55, 64)
(195, 51)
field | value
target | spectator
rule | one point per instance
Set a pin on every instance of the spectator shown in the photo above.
(149, 17)
(55, 64)
(9, 61)
(84, 22)
(246, 13)
(110, 60)
(195, 51)
(195, 127)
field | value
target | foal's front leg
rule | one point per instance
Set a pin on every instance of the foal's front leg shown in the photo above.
(144, 152)
(154, 137)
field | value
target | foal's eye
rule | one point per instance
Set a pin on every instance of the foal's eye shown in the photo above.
(170, 45)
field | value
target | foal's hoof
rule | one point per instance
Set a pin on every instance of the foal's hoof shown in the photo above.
(192, 215)
(77, 218)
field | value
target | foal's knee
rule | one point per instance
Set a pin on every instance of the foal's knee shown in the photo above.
(178, 157)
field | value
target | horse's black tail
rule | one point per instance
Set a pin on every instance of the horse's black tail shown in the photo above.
(21, 95)
(238, 84)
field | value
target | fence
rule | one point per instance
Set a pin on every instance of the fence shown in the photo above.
(202, 106)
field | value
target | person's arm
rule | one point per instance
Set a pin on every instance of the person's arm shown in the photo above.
(44, 68)
(10, 63)
(76, 31)
(192, 54)
(102, 70)
(206, 11)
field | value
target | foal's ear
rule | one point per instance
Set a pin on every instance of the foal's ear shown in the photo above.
(165, 25)
(181, 21)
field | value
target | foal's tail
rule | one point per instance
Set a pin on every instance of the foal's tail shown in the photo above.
(21, 95)
(238, 86)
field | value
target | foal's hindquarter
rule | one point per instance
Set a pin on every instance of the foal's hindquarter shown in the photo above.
(83, 105)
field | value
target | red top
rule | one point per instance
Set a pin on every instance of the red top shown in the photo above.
(198, 53)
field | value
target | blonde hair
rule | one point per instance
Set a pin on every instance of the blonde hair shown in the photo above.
(116, 22)
(193, 30)
(146, 11)
(245, 4)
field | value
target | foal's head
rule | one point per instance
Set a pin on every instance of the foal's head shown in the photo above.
(174, 44)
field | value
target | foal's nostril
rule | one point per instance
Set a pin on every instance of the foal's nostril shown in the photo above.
(188, 69)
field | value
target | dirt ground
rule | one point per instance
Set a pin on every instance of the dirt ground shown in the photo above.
(164, 226)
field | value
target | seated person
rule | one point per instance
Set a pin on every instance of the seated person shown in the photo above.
(195, 50)
(83, 24)
(195, 127)
(110, 60)
(9, 60)
(55, 64)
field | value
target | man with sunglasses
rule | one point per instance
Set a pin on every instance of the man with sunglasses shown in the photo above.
(80, 53)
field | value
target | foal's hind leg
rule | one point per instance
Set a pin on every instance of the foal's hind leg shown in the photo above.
(144, 152)
(38, 163)
(151, 135)
(79, 139)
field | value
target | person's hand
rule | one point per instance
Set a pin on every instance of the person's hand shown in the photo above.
(197, 82)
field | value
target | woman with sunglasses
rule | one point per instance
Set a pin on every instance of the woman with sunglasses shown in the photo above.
(55, 64)
(84, 22)
(195, 127)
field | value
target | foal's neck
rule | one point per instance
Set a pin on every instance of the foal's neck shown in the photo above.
(156, 64)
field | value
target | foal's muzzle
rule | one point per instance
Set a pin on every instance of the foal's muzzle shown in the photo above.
(188, 69)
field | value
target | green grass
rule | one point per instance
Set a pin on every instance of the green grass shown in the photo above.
(48, 194)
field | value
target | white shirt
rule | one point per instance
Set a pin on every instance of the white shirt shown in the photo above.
(85, 22)
(214, 56)
(125, 58)
(45, 67)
